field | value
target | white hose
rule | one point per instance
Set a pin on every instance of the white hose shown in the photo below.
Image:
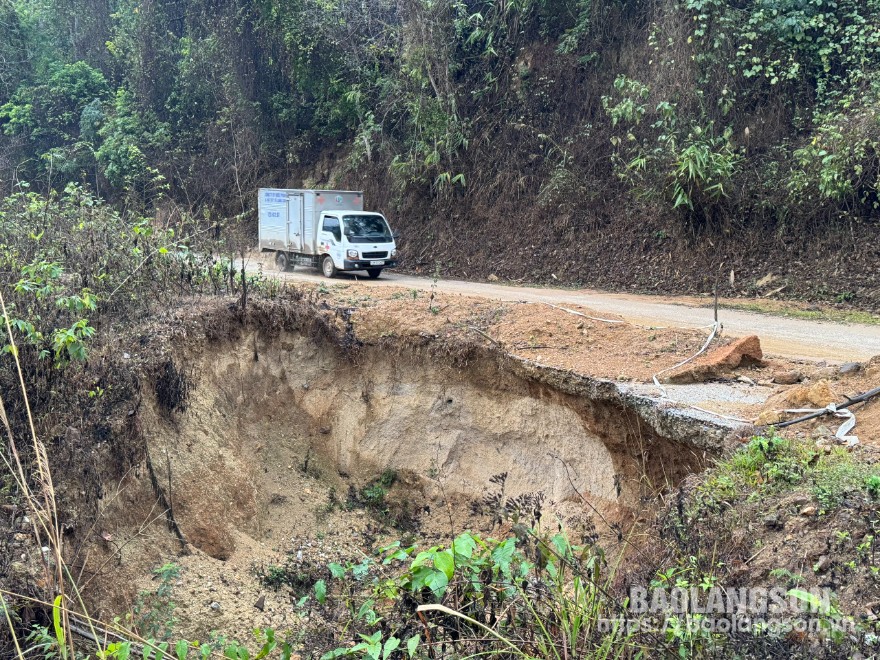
(843, 413)
(716, 326)
(712, 334)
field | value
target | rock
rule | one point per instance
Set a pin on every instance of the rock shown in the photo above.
(772, 521)
(746, 380)
(492, 278)
(215, 606)
(817, 395)
(826, 373)
(821, 431)
(769, 417)
(742, 352)
(822, 565)
(799, 500)
(261, 603)
(808, 511)
(850, 368)
(787, 377)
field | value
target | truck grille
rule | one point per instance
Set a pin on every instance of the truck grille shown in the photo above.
(374, 255)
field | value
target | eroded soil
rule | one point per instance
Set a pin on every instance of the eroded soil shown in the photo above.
(263, 456)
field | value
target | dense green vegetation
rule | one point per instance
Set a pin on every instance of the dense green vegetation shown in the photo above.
(74, 271)
(706, 111)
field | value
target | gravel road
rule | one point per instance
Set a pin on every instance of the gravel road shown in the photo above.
(785, 337)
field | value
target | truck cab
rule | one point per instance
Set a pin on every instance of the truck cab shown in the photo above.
(355, 240)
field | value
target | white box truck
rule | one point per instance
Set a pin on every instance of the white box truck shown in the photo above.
(326, 229)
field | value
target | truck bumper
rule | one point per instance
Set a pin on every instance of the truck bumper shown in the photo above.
(364, 264)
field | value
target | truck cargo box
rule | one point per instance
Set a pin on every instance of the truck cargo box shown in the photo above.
(288, 218)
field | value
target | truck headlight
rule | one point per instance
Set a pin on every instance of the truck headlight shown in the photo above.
(393, 253)
(351, 254)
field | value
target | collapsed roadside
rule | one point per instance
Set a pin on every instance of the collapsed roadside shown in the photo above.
(493, 349)
(228, 453)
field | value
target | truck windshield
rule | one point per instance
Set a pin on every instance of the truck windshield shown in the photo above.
(366, 229)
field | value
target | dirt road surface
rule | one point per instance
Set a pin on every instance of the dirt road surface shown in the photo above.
(784, 337)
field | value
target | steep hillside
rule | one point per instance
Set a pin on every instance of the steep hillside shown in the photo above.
(619, 144)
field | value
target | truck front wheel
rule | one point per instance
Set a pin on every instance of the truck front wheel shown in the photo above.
(327, 267)
(282, 261)
(374, 273)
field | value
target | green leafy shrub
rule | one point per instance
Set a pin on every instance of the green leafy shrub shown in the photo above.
(770, 465)
(89, 263)
(154, 610)
(872, 483)
(52, 108)
(538, 588)
(685, 163)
